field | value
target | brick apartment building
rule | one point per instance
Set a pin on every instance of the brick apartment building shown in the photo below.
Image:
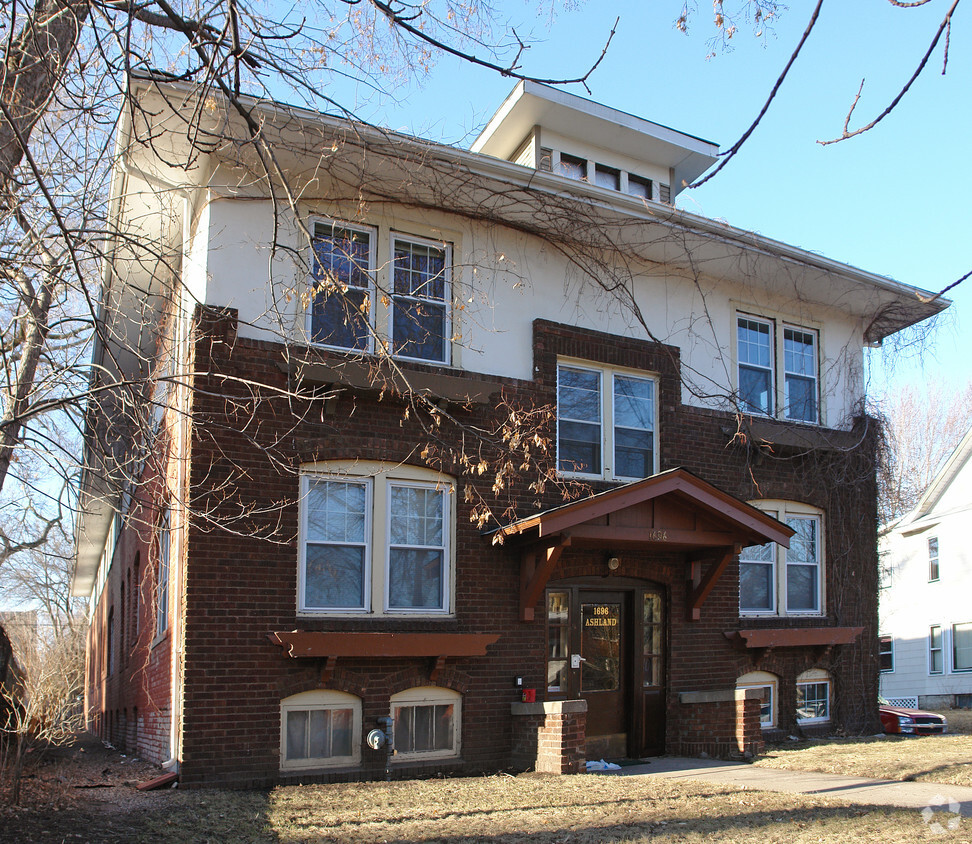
(284, 541)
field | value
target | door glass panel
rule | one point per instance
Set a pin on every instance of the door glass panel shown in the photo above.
(558, 640)
(601, 647)
(653, 644)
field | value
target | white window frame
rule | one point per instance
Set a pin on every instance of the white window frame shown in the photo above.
(321, 699)
(444, 548)
(372, 234)
(429, 696)
(305, 486)
(787, 511)
(794, 374)
(608, 429)
(779, 374)
(955, 668)
(932, 650)
(163, 574)
(379, 478)
(763, 680)
(814, 677)
(398, 237)
(881, 651)
(934, 565)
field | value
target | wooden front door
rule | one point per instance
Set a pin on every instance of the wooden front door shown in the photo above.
(603, 649)
(608, 647)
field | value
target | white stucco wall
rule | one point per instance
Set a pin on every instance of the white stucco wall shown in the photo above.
(503, 281)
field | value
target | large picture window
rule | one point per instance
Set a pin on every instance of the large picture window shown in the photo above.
(779, 581)
(319, 728)
(421, 293)
(376, 543)
(962, 647)
(777, 371)
(341, 293)
(605, 422)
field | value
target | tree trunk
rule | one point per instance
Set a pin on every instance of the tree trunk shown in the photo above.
(33, 66)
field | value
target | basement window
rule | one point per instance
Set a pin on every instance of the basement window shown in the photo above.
(319, 728)
(426, 723)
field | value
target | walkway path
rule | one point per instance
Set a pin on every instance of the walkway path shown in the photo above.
(907, 795)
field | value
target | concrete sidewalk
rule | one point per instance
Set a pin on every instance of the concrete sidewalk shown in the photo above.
(906, 795)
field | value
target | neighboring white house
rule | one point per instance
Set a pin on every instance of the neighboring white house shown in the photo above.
(925, 606)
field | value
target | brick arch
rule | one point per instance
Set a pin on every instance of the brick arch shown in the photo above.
(309, 680)
(413, 677)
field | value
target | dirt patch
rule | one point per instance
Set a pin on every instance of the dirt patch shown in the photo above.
(499, 809)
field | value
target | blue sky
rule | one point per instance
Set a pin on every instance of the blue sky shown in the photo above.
(892, 201)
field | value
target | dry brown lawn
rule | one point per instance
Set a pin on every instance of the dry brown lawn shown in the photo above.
(89, 796)
(496, 809)
(945, 759)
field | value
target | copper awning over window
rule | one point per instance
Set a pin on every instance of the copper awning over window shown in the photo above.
(670, 511)
(309, 643)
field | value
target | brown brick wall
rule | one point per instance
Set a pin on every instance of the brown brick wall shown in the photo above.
(241, 579)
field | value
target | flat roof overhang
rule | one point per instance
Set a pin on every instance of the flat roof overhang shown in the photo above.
(673, 511)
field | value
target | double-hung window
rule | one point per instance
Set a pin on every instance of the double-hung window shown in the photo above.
(936, 663)
(605, 422)
(799, 374)
(757, 578)
(340, 313)
(779, 581)
(421, 292)
(375, 543)
(803, 565)
(777, 369)
(754, 346)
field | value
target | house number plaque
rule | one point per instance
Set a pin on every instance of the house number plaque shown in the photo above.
(601, 615)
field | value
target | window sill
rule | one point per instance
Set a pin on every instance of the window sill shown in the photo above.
(324, 766)
(419, 758)
(360, 375)
(352, 615)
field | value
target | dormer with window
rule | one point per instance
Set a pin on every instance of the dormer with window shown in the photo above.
(560, 133)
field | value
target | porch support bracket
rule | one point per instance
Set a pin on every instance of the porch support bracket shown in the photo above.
(536, 565)
(701, 585)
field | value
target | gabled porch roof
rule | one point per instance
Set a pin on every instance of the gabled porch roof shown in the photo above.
(671, 511)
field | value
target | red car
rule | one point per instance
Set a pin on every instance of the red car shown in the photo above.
(913, 722)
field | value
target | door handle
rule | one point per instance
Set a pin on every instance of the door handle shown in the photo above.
(576, 660)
